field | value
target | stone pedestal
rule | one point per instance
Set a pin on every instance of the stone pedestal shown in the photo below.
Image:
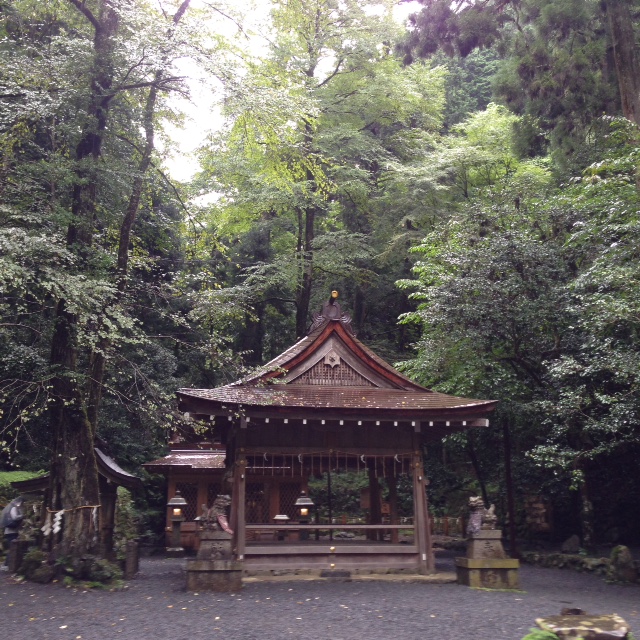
(131, 559)
(487, 543)
(214, 545)
(497, 573)
(486, 565)
(214, 568)
(214, 575)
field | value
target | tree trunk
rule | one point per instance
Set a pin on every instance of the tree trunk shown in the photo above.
(98, 360)
(626, 59)
(511, 502)
(74, 473)
(586, 506)
(306, 234)
(303, 298)
(471, 449)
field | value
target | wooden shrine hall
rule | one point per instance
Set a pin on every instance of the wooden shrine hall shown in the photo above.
(326, 403)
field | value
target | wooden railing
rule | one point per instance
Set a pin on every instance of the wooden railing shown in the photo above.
(327, 527)
(447, 526)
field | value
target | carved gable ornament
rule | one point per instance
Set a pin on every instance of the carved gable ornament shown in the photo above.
(331, 311)
(332, 358)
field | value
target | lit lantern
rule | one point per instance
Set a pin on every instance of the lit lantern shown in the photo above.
(304, 504)
(176, 511)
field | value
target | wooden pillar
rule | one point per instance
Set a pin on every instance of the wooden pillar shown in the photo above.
(240, 490)
(375, 513)
(233, 515)
(393, 504)
(108, 497)
(422, 524)
(272, 486)
(240, 486)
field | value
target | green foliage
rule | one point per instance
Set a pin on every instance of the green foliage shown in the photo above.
(318, 167)
(484, 182)
(7, 492)
(527, 297)
(345, 493)
(540, 634)
(32, 564)
(551, 63)
(127, 521)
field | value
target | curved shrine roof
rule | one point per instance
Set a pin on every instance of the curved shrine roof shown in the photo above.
(331, 370)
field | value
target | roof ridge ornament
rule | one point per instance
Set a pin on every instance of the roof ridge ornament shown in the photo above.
(331, 310)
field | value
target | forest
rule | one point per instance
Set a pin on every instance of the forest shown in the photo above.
(467, 178)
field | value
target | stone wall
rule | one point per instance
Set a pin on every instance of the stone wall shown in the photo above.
(598, 566)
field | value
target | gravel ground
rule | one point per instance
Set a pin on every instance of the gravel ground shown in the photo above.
(156, 607)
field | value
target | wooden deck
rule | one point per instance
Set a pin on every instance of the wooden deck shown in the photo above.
(293, 554)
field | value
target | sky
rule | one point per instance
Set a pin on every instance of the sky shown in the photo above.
(202, 114)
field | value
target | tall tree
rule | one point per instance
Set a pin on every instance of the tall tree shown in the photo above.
(324, 152)
(556, 65)
(102, 71)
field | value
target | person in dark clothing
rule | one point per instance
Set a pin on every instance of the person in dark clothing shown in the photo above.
(11, 519)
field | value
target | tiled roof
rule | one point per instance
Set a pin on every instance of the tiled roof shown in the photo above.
(189, 459)
(364, 398)
(388, 390)
(109, 468)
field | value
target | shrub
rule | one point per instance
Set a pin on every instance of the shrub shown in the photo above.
(32, 562)
(539, 634)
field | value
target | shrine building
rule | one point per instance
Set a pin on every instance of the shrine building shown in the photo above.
(327, 405)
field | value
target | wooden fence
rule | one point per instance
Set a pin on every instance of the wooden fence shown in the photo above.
(448, 526)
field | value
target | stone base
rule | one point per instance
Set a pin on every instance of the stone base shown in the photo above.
(607, 627)
(174, 552)
(488, 573)
(219, 575)
(131, 560)
(339, 575)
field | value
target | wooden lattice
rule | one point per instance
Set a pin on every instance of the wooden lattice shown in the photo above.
(213, 489)
(289, 493)
(189, 492)
(340, 375)
(256, 504)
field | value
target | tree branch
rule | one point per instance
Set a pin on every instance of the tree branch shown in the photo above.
(159, 84)
(224, 15)
(160, 172)
(333, 74)
(18, 324)
(80, 6)
(181, 11)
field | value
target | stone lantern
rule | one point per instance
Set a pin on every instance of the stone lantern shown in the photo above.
(176, 514)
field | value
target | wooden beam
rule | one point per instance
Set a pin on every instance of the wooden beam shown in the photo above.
(421, 513)
(335, 527)
(293, 550)
(355, 451)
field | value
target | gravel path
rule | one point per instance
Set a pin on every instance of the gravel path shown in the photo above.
(156, 607)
